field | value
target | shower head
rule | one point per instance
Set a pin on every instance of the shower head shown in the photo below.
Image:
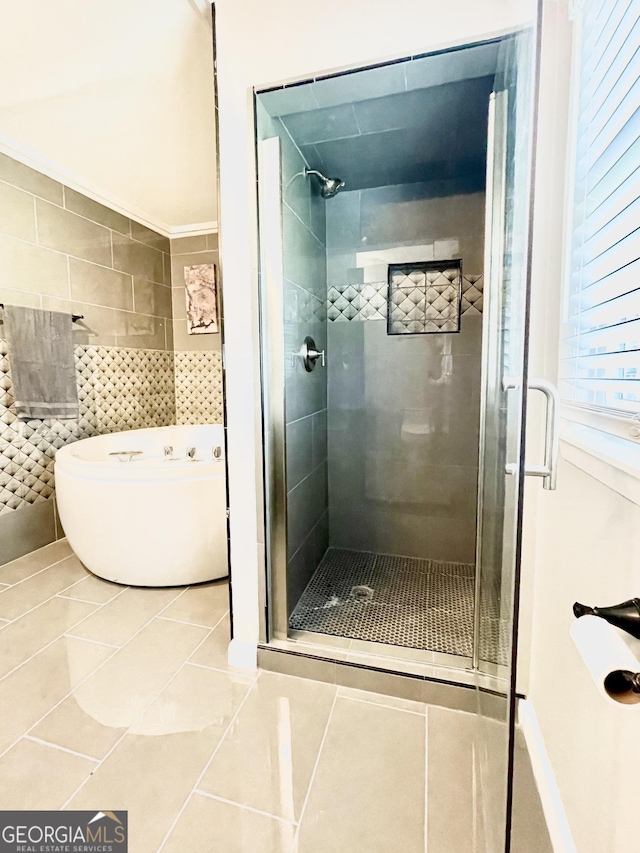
(328, 186)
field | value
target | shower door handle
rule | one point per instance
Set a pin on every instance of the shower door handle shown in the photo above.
(549, 469)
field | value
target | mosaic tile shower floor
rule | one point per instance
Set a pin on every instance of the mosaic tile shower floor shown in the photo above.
(420, 604)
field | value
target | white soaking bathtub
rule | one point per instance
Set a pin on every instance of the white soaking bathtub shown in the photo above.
(143, 519)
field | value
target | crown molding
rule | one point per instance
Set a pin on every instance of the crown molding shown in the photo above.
(195, 230)
(35, 160)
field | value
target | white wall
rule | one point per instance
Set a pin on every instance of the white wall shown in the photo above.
(118, 93)
(582, 541)
(261, 44)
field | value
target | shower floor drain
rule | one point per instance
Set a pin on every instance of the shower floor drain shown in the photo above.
(361, 593)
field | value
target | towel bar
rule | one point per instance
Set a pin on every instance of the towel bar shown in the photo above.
(74, 317)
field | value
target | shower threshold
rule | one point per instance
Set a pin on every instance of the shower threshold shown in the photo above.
(407, 607)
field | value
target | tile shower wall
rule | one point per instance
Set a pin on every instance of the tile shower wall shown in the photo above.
(305, 313)
(62, 251)
(404, 410)
(198, 361)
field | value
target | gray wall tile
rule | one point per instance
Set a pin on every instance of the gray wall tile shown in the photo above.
(17, 213)
(28, 179)
(374, 83)
(151, 238)
(26, 529)
(78, 203)
(152, 298)
(300, 569)
(140, 331)
(183, 341)
(295, 186)
(405, 534)
(166, 271)
(304, 256)
(292, 99)
(178, 303)
(321, 538)
(307, 503)
(188, 245)
(99, 326)
(320, 447)
(66, 232)
(343, 223)
(305, 393)
(19, 297)
(100, 286)
(137, 258)
(32, 268)
(330, 123)
(299, 441)
(403, 419)
(186, 252)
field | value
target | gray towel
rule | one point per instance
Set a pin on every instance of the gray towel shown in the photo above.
(42, 365)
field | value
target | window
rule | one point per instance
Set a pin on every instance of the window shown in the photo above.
(600, 357)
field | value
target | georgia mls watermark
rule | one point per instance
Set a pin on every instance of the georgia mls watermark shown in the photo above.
(63, 832)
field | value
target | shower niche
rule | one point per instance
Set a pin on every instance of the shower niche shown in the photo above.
(383, 195)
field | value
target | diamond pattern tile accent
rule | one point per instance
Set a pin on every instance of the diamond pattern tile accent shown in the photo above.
(369, 301)
(198, 387)
(357, 302)
(118, 389)
(472, 292)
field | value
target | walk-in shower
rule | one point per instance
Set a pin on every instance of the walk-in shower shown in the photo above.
(377, 321)
(393, 322)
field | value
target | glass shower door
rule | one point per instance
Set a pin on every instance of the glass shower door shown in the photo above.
(504, 380)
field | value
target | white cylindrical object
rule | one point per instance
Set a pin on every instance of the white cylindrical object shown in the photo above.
(135, 515)
(606, 652)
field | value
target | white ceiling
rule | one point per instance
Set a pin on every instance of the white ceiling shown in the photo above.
(117, 96)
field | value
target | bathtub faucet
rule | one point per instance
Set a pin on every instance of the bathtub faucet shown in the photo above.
(191, 452)
(217, 452)
(168, 452)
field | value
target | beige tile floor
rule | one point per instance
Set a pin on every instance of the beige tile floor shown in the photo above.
(121, 698)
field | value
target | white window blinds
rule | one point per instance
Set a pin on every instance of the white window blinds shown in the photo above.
(600, 364)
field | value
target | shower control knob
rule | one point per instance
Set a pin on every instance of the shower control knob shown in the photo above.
(310, 354)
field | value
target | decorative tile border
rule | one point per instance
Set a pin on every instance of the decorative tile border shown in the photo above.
(198, 387)
(118, 389)
(369, 301)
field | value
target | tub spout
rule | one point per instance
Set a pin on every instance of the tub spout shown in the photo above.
(125, 455)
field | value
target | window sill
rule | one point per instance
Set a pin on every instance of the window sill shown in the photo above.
(612, 460)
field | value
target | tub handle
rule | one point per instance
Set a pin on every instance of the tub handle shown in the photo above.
(217, 452)
(168, 451)
(125, 455)
(191, 452)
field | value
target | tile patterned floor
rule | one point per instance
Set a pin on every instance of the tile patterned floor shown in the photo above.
(121, 698)
(421, 604)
